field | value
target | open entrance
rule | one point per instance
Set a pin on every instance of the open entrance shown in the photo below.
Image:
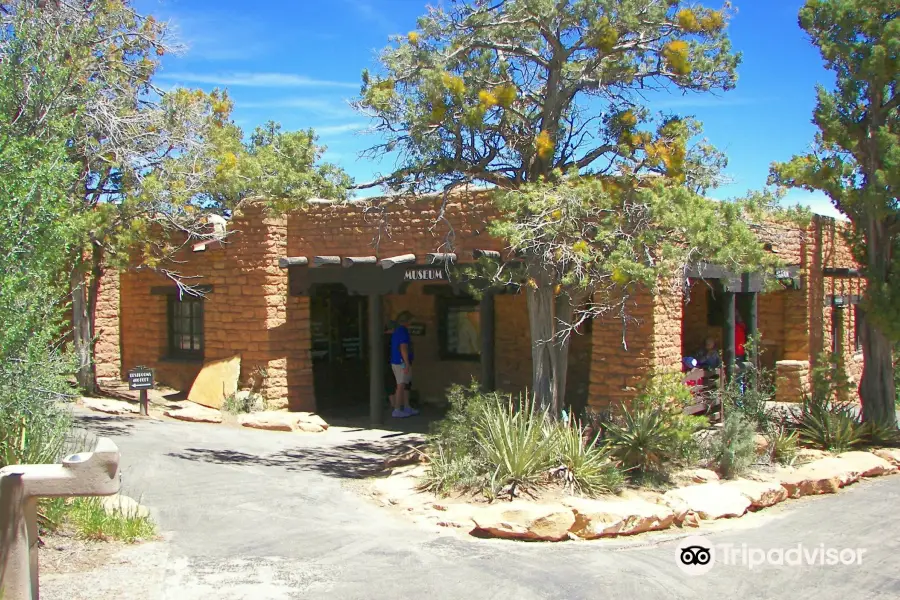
(338, 323)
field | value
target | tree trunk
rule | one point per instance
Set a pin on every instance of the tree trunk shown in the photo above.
(876, 389)
(84, 285)
(540, 321)
(549, 315)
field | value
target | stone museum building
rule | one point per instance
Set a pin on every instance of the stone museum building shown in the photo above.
(306, 300)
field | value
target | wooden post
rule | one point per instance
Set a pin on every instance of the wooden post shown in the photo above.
(488, 377)
(144, 402)
(729, 336)
(753, 328)
(376, 360)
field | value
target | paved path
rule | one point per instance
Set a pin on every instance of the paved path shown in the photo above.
(267, 516)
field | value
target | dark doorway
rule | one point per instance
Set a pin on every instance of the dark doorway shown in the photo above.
(338, 323)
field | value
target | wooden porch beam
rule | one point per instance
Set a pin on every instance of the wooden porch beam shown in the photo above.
(293, 261)
(403, 259)
(351, 261)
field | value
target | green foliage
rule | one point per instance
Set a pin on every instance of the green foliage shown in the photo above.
(90, 520)
(855, 161)
(782, 444)
(666, 393)
(644, 442)
(497, 91)
(242, 403)
(588, 469)
(517, 441)
(829, 424)
(751, 402)
(733, 448)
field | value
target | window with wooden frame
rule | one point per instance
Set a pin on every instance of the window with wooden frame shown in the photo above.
(185, 320)
(459, 328)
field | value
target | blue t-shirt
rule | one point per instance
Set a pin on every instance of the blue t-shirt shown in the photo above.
(400, 336)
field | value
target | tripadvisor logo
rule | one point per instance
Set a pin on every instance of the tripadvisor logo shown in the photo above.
(696, 555)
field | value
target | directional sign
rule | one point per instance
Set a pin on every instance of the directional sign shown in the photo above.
(140, 378)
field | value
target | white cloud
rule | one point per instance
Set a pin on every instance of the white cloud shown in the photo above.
(324, 108)
(339, 129)
(247, 79)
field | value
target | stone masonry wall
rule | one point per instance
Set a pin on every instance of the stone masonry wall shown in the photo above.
(107, 350)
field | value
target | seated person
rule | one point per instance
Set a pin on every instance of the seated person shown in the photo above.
(708, 357)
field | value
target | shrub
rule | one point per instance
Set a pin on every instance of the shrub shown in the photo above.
(783, 444)
(89, 519)
(586, 466)
(517, 442)
(449, 472)
(644, 441)
(733, 450)
(242, 402)
(829, 424)
(879, 434)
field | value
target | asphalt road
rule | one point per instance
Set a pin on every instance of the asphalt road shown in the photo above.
(268, 516)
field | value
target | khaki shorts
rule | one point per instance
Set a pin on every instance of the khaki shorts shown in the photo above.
(401, 377)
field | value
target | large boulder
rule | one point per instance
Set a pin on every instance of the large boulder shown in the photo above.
(711, 500)
(525, 521)
(892, 455)
(868, 464)
(194, 413)
(823, 476)
(696, 476)
(609, 518)
(761, 494)
(216, 381)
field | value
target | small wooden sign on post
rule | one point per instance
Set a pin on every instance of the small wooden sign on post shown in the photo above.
(141, 378)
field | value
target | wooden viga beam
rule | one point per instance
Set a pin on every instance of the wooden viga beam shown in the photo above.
(403, 259)
(351, 261)
(293, 261)
(326, 261)
(440, 258)
(491, 254)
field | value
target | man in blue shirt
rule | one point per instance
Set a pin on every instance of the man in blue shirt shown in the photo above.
(401, 364)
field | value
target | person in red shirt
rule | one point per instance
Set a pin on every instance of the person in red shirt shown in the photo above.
(740, 337)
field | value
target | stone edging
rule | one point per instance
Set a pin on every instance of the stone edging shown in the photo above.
(584, 518)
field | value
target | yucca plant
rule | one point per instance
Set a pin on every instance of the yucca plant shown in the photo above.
(585, 467)
(782, 444)
(644, 442)
(829, 424)
(517, 443)
(880, 434)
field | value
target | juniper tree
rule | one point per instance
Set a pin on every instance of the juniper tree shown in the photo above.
(530, 96)
(855, 161)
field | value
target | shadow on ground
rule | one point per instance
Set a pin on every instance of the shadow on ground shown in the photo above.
(105, 425)
(355, 460)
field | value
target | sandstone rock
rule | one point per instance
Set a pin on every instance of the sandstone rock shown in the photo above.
(110, 407)
(807, 455)
(609, 518)
(761, 494)
(409, 457)
(311, 419)
(284, 421)
(216, 381)
(700, 475)
(892, 455)
(124, 505)
(868, 464)
(691, 520)
(525, 521)
(194, 413)
(762, 444)
(712, 500)
(270, 421)
(309, 427)
(823, 476)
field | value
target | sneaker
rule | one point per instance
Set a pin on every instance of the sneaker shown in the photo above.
(410, 411)
(399, 414)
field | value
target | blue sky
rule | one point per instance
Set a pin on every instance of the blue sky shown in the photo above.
(299, 62)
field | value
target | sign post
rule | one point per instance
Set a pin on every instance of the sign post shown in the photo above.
(141, 378)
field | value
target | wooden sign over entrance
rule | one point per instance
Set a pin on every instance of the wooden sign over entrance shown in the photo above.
(426, 273)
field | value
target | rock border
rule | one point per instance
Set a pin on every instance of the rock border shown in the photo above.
(615, 516)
